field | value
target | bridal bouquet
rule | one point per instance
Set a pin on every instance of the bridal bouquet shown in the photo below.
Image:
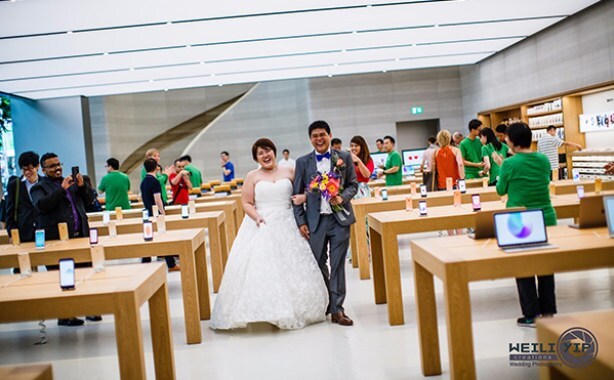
(328, 184)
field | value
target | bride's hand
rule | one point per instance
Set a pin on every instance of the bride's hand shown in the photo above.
(260, 220)
(299, 199)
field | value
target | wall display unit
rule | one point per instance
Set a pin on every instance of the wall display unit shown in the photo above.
(413, 157)
(590, 163)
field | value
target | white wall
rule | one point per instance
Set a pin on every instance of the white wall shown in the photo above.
(597, 103)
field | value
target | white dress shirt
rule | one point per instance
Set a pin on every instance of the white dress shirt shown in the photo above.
(289, 163)
(323, 167)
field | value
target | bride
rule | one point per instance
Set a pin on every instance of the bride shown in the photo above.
(271, 275)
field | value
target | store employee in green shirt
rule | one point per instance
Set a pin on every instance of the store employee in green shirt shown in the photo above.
(393, 168)
(162, 176)
(115, 185)
(195, 175)
(471, 150)
(525, 178)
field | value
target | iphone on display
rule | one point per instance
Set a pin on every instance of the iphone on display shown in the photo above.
(462, 186)
(423, 191)
(67, 274)
(475, 201)
(422, 208)
(93, 236)
(148, 231)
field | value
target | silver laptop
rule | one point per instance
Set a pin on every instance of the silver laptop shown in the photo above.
(608, 205)
(592, 212)
(484, 225)
(519, 231)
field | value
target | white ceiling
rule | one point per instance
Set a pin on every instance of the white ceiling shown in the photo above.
(75, 47)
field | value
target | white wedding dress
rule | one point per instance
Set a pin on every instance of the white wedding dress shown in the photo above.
(271, 275)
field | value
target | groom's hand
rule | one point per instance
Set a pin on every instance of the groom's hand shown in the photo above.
(336, 200)
(304, 231)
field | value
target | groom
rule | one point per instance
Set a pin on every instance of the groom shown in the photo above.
(328, 232)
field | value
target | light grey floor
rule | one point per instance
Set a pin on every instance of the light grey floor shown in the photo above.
(371, 349)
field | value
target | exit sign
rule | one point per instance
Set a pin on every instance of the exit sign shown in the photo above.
(417, 110)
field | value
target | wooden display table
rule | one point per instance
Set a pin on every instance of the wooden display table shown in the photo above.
(229, 208)
(4, 237)
(119, 290)
(385, 227)
(406, 189)
(469, 260)
(224, 197)
(213, 221)
(381, 182)
(26, 372)
(599, 323)
(364, 206)
(189, 244)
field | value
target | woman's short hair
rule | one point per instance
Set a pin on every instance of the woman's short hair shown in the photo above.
(265, 144)
(519, 134)
(443, 138)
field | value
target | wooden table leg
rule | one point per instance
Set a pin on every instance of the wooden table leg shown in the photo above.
(215, 250)
(162, 339)
(202, 280)
(458, 319)
(353, 245)
(190, 294)
(392, 277)
(238, 220)
(426, 315)
(230, 225)
(225, 248)
(362, 246)
(379, 284)
(129, 337)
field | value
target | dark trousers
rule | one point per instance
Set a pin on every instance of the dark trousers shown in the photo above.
(536, 300)
(427, 179)
(331, 239)
(170, 261)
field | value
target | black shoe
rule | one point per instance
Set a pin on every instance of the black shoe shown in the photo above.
(525, 322)
(94, 318)
(71, 322)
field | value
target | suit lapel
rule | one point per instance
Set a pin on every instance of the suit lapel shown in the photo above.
(313, 166)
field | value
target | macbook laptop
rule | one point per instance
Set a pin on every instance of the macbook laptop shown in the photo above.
(519, 231)
(484, 225)
(608, 205)
(592, 212)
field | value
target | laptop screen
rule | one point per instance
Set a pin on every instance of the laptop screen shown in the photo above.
(608, 205)
(520, 227)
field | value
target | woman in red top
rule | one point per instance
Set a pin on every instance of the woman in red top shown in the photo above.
(363, 164)
(447, 161)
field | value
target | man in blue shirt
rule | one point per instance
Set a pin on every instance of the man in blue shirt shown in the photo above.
(228, 169)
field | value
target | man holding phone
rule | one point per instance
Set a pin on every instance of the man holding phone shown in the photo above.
(61, 199)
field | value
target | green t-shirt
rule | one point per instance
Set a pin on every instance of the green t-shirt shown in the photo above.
(162, 178)
(472, 152)
(394, 159)
(195, 176)
(525, 178)
(487, 151)
(115, 185)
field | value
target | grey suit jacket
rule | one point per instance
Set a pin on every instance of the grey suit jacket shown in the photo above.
(306, 169)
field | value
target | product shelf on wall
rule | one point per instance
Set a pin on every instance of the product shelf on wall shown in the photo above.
(590, 163)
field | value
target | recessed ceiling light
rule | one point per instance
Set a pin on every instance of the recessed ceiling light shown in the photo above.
(336, 64)
(220, 85)
(132, 69)
(436, 25)
(397, 59)
(355, 32)
(188, 46)
(384, 71)
(151, 81)
(169, 23)
(343, 51)
(166, 89)
(69, 32)
(202, 62)
(212, 75)
(105, 53)
(330, 75)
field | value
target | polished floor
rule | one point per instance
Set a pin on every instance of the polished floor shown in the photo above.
(371, 349)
